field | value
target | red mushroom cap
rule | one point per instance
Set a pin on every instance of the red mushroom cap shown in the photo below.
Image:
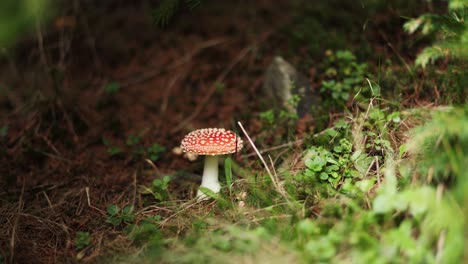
(211, 141)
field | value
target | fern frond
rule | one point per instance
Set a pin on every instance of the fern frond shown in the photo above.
(166, 10)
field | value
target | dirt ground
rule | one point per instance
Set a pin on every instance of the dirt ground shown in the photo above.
(57, 175)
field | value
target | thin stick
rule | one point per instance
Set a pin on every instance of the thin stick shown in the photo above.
(259, 155)
(277, 184)
(48, 201)
(149, 75)
(89, 201)
(275, 176)
(40, 43)
(170, 85)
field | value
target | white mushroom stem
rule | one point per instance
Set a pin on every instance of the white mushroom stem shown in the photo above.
(210, 176)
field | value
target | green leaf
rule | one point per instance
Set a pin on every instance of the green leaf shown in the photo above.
(165, 11)
(394, 117)
(307, 227)
(82, 240)
(166, 179)
(323, 176)
(115, 221)
(133, 140)
(112, 209)
(323, 245)
(332, 168)
(112, 87)
(430, 54)
(338, 149)
(128, 209)
(209, 193)
(228, 171)
(412, 25)
(365, 185)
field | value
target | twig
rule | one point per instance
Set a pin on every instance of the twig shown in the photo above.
(275, 176)
(162, 223)
(89, 202)
(396, 52)
(169, 87)
(40, 44)
(49, 202)
(152, 74)
(90, 39)
(262, 160)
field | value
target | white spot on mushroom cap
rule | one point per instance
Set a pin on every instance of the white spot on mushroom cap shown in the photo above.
(211, 141)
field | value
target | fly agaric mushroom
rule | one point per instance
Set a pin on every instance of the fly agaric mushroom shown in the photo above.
(211, 142)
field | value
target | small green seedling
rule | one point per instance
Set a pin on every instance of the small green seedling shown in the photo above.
(112, 87)
(219, 87)
(118, 216)
(154, 151)
(268, 116)
(132, 140)
(82, 240)
(344, 76)
(159, 188)
(111, 149)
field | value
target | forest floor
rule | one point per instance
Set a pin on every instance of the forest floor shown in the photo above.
(93, 111)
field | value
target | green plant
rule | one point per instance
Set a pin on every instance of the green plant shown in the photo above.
(268, 116)
(134, 147)
(82, 240)
(159, 188)
(451, 30)
(117, 216)
(228, 172)
(336, 165)
(344, 76)
(112, 87)
(442, 145)
(145, 230)
(284, 116)
(167, 8)
(19, 16)
(154, 151)
(111, 148)
(132, 140)
(219, 87)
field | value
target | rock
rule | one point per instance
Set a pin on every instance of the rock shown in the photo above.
(282, 82)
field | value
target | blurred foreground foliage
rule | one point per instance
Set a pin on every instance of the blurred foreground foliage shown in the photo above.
(17, 17)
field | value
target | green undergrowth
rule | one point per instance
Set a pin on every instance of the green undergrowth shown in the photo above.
(385, 183)
(357, 198)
